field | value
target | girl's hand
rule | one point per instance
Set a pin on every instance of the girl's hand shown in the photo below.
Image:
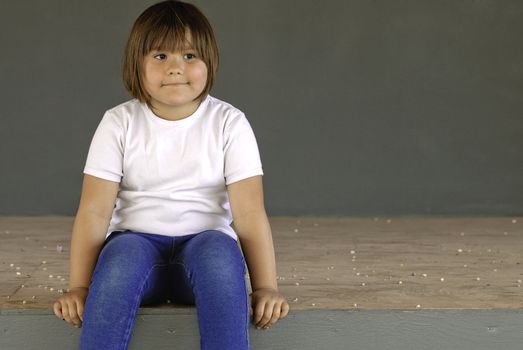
(269, 307)
(70, 306)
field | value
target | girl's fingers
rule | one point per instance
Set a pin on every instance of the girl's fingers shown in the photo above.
(258, 312)
(80, 310)
(279, 311)
(73, 314)
(275, 315)
(65, 312)
(69, 313)
(57, 308)
(284, 309)
(267, 314)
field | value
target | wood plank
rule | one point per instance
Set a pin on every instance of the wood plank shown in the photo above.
(323, 263)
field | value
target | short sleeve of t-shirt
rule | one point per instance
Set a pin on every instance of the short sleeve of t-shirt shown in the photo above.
(105, 157)
(242, 157)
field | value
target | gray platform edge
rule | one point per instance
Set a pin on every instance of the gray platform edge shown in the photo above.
(177, 328)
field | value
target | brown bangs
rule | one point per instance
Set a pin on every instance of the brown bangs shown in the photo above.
(168, 33)
(170, 26)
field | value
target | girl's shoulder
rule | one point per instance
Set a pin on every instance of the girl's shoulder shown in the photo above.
(222, 108)
(131, 107)
(122, 114)
(231, 120)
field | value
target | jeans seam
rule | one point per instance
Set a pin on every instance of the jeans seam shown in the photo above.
(187, 274)
(137, 300)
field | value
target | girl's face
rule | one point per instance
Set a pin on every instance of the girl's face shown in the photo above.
(174, 80)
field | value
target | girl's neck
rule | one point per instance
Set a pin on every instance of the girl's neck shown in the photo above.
(175, 113)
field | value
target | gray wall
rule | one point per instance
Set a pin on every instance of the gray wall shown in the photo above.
(360, 107)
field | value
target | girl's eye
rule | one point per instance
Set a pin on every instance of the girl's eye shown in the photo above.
(160, 56)
(189, 56)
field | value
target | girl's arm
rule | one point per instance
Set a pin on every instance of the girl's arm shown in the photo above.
(89, 230)
(252, 226)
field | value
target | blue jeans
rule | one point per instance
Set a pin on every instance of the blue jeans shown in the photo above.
(133, 269)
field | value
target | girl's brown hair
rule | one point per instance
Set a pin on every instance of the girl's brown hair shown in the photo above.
(164, 26)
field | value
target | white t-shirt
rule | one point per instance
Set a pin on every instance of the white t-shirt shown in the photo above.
(173, 174)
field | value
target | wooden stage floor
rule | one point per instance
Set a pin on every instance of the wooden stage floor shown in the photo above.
(323, 263)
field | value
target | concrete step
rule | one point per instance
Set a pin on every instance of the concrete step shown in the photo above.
(172, 328)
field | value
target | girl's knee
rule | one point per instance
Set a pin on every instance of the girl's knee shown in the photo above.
(217, 242)
(217, 252)
(124, 258)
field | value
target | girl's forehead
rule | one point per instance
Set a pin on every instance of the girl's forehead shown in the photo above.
(172, 42)
(172, 48)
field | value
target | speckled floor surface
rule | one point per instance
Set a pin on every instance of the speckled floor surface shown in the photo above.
(323, 263)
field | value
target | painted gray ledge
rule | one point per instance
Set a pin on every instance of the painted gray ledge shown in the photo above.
(160, 328)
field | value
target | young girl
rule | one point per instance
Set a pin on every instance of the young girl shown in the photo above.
(166, 176)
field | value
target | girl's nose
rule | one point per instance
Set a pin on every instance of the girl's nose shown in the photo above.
(175, 68)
